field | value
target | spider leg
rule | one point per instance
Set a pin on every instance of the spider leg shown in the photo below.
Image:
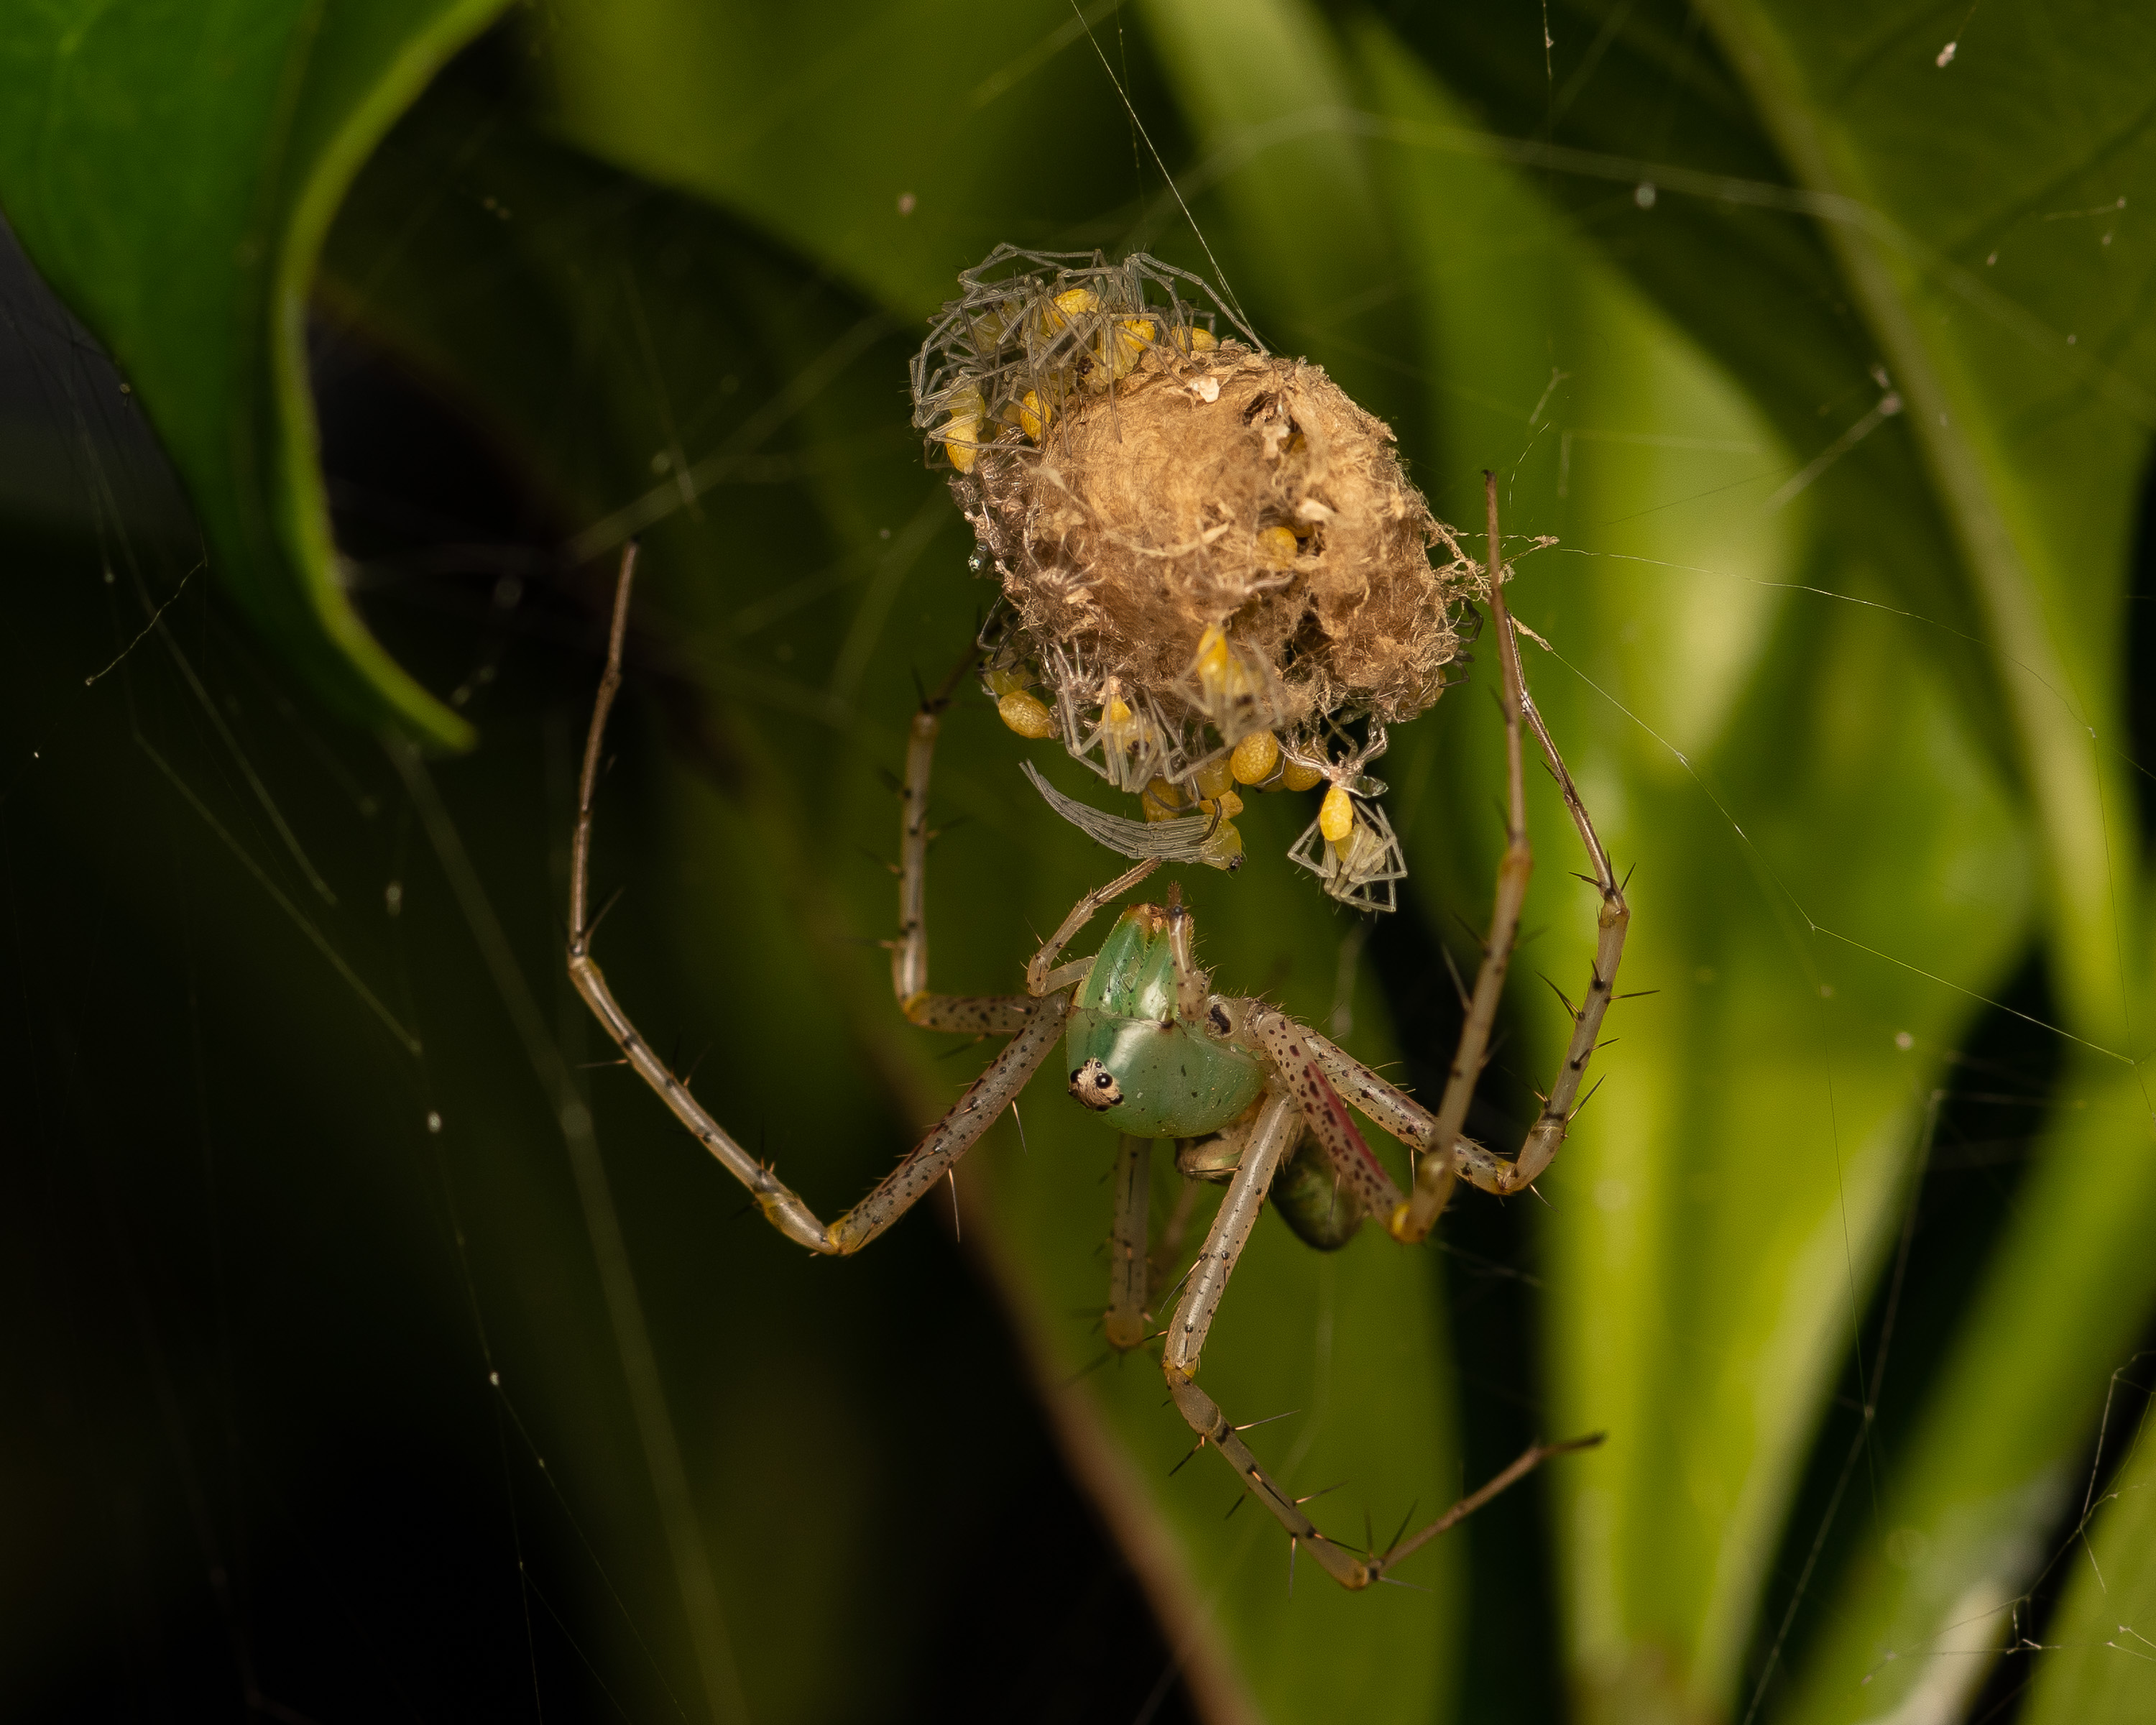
(977, 1015)
(1191, 982)
(1437, 1171)
(1615, 916)
(1043, 975)
(1401, 1117)
(992, 1014)
(1038, 1027)
(1279, 1126)
(976, 1112)
(1292, 1049)
(1524, 1463)
(1129, 1272)
(1396, 1113)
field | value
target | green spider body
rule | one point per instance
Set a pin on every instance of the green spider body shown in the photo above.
(1153, 1075)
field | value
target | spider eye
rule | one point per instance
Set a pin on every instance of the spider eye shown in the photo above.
(1094, 1085)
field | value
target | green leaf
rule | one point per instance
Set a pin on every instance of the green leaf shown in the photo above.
(1980, 256)
(1996, 1456)
(1962, 248)
(1985, 261)
(1633, 126)
(181, 216)
(1716, 1211)
(896, 144)
(2097, 1651)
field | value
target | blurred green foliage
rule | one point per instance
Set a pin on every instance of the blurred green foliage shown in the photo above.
(1812, 355)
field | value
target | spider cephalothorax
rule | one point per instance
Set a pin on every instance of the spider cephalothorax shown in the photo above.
(1134, 1055)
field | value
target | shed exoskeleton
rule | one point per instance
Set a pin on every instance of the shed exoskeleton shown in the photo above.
(1248, 1096)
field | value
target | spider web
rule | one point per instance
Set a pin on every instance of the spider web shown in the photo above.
(324, 1299)
(340, 1373)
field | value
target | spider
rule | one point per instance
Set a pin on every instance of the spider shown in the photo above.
(1249, 1096)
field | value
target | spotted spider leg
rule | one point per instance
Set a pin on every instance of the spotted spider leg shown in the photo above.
(1038, 1027)
(1129, 1270)
(1441, 1168)
(1399, 1115)
(984, 1014)
(1292, 1049)
(1279, 1121)
(1280, 1043)
(1299, 1093)
(1406, 1120)
(1288, 1047)
(981, 1014)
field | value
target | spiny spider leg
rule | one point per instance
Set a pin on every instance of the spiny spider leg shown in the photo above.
(1191, 983)
(1440, 1168)
(1284, 1043)
(1434, 1185)
(1399, 1115)
(977, 1110)
(1278, 1125)
(1130, 1273)
(980, 1014)
(1395, 1112)
(1039, 977)
(1403, 1117)
(1615, 916)
(1291, 1048)
(780, 1207)
(990, 1014)
(1520, 1465)
(1038, 1030)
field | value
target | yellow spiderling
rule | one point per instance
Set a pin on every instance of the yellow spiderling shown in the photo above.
(1335, 815)
(1026, 714)
(1255, 757)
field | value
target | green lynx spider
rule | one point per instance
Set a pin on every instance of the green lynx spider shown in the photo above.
(1140, 1019)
